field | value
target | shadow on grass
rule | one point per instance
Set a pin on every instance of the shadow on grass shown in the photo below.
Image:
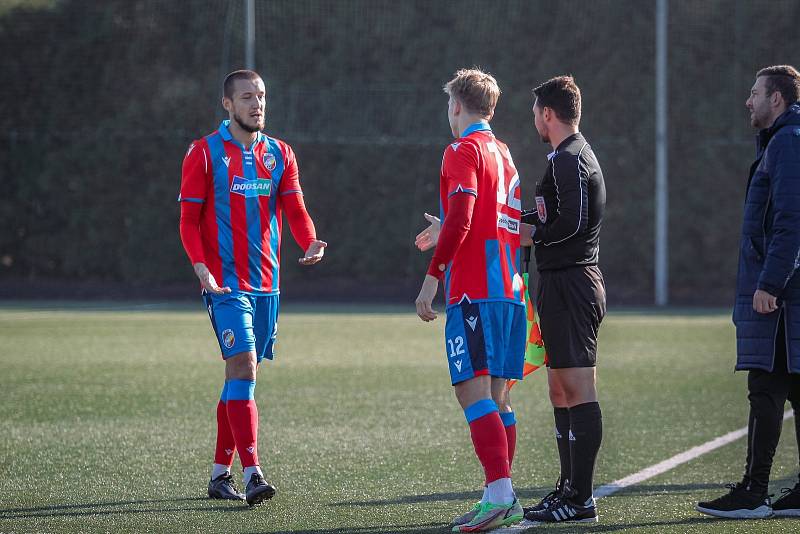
(724, 524)
(646, 489)
(426, 528)
(98, 508)
(526, 493)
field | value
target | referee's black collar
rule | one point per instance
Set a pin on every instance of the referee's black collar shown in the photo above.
(572, 137)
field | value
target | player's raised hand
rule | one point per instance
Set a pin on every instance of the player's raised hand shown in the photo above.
(425, 298)
(207, 280)
(428, 238)
(314, 253)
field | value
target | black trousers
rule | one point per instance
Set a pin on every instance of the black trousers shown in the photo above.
(768, 393)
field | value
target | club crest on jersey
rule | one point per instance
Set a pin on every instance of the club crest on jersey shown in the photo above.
(269, 161)
(259, 187)
(228, 339)
(541, 209)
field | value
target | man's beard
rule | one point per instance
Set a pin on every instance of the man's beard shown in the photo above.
(244, 126)
(759, 122)
(543, 135)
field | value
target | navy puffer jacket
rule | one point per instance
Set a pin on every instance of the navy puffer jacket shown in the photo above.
(769, 252)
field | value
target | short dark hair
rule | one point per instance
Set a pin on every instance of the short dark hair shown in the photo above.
(562, 95)
(782, 78)
(230, 79)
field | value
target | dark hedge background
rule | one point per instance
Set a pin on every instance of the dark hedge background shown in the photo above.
(101, 99)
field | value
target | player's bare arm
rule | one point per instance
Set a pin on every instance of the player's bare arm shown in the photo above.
(428, 238)
(207, 280)
(425, 298)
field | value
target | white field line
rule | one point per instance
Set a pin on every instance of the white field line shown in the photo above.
(656, 469)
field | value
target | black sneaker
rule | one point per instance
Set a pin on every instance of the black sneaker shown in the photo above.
(739, 503)
(258, 490)
(222, 488)
(546, 500)
(788, 504)
(563, 508)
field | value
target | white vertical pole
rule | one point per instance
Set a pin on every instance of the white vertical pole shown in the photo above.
(250, 32)
(661, 196)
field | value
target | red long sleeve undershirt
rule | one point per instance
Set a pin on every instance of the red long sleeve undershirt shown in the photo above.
(300, 224)
(190, 231)
(453, 232)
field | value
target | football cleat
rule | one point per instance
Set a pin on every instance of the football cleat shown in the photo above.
(564, 509)
(222, 487)
(544, 504)
(258, 490)
(491, 516)
(467, 517)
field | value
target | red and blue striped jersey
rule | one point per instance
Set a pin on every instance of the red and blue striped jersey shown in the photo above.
(486, 264)
(240, 189)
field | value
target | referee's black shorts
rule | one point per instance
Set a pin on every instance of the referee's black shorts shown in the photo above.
(571, 303)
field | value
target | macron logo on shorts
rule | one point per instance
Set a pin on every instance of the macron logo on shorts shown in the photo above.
(472, 322)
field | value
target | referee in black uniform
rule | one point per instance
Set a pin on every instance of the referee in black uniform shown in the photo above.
(564, 230)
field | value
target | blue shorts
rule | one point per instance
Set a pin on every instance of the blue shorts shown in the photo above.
(244, 323)
(485, 338)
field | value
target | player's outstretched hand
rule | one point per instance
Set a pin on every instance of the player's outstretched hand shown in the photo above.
(425, 298)
(314, 253)
(428, 238)
(207, 280)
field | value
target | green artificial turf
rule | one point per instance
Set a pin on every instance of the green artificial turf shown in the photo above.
(108, 423)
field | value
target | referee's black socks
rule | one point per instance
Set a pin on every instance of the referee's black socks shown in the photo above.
(586, 424)
(561, 415)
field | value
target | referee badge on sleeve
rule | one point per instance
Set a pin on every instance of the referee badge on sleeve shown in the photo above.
(541, 209)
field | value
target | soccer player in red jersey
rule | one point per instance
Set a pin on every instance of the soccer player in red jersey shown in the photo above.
(237, 183)
(477, 257)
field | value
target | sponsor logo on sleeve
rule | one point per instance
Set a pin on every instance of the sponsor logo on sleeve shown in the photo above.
(508, 223)
(259, 187)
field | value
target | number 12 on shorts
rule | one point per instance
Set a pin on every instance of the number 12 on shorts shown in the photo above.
(456, 346)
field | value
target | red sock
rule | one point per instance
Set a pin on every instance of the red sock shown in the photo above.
(511, 440)
(489, 439)
(243, 416)
(226, 445)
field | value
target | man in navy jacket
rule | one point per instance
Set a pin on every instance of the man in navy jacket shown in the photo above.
(767, 311)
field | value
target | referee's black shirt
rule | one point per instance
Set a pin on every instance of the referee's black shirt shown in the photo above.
(570, 200)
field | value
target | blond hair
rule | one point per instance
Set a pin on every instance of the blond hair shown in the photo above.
(476, 90)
